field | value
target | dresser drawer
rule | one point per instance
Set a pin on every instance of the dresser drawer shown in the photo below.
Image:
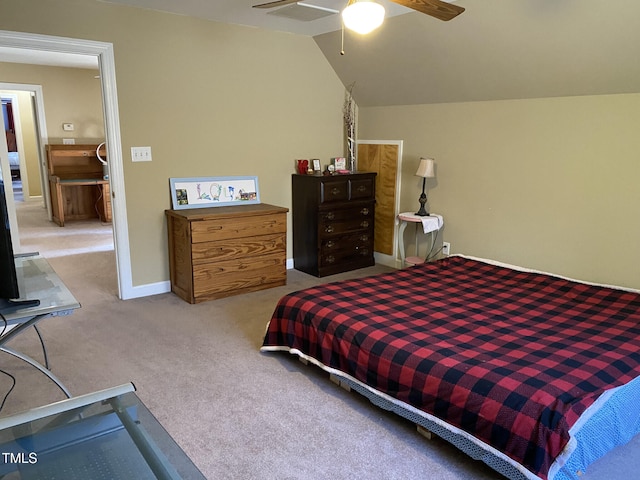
(345, 226)
(338, 215)
(216, 279)
(75, 152)
(207, 252)
(362, 189)
(227, 228)
(339, 221)
(334, 190)
(346, 249)
(353, 243)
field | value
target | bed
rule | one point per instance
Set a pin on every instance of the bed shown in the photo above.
(14, 164)
(534, 374)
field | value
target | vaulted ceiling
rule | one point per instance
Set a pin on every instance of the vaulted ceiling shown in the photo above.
(497, 49)
(307, 17)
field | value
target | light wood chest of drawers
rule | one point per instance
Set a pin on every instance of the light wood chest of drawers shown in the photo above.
(222, 251)
(333, 222)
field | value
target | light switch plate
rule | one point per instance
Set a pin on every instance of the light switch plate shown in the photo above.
(140, 154)
(68, 141)
(68, 127)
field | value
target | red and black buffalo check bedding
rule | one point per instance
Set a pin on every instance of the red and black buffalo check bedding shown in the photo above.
(512, 357)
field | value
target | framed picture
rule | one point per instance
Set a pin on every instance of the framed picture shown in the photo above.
(316, 165)
(201, 192)
(340, 163)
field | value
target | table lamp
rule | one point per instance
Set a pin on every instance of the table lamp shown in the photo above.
(425, 170)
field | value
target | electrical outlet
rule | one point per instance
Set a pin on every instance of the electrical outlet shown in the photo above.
(446, 248)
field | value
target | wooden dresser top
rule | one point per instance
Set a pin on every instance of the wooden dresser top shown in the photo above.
(192, 214)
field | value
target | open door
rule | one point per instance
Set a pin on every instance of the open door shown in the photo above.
(385, 158)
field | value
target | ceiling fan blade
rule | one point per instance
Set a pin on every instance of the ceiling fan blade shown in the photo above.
(440, 10)
(278, 3)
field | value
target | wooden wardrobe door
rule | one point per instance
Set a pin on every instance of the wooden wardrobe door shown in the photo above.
(383, 159)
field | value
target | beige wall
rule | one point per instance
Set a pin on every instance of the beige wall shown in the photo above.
(550, 184)
(70, 95)
(210, 99)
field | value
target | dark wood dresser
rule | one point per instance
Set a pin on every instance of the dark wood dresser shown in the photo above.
(333, 222)
(222, 251)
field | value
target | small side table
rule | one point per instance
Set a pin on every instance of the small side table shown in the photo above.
(406, 218)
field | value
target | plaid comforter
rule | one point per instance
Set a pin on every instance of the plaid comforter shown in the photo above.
(512, 357)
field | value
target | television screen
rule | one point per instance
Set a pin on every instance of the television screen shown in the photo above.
(9, 290)
(8, 279)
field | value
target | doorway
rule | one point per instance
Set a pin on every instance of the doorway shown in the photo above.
(30, 43)
(33, 209)
(18, 111)
(8, 116)
(385, 158)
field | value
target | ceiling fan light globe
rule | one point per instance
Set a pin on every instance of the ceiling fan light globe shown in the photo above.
(363, 16)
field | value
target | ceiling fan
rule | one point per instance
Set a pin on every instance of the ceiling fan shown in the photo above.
(435, 8)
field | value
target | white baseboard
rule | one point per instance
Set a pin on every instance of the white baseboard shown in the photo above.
(147, 290)
(387, 260)
(165, 287)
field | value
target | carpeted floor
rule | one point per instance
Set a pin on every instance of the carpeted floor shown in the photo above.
(237, 413)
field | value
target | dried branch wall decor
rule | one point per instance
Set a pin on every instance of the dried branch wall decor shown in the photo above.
(349, 115)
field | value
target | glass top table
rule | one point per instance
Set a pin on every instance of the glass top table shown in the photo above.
(108, 434)
(37, 280)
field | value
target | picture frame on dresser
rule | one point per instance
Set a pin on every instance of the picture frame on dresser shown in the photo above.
(340, 163)
(205, 192)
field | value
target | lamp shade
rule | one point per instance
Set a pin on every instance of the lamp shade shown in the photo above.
(363, 16)
(425, 169)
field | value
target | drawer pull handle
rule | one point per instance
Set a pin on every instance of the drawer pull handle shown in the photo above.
(330, 216)
(361, 188)
(335, 191)
(364, 224)
(330, 259)
(329, 229)
(331, 244)
(364, 238)
(364, 211)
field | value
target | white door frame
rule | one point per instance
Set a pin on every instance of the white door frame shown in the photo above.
(106, 61)
(390, 260)
(36, 90)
